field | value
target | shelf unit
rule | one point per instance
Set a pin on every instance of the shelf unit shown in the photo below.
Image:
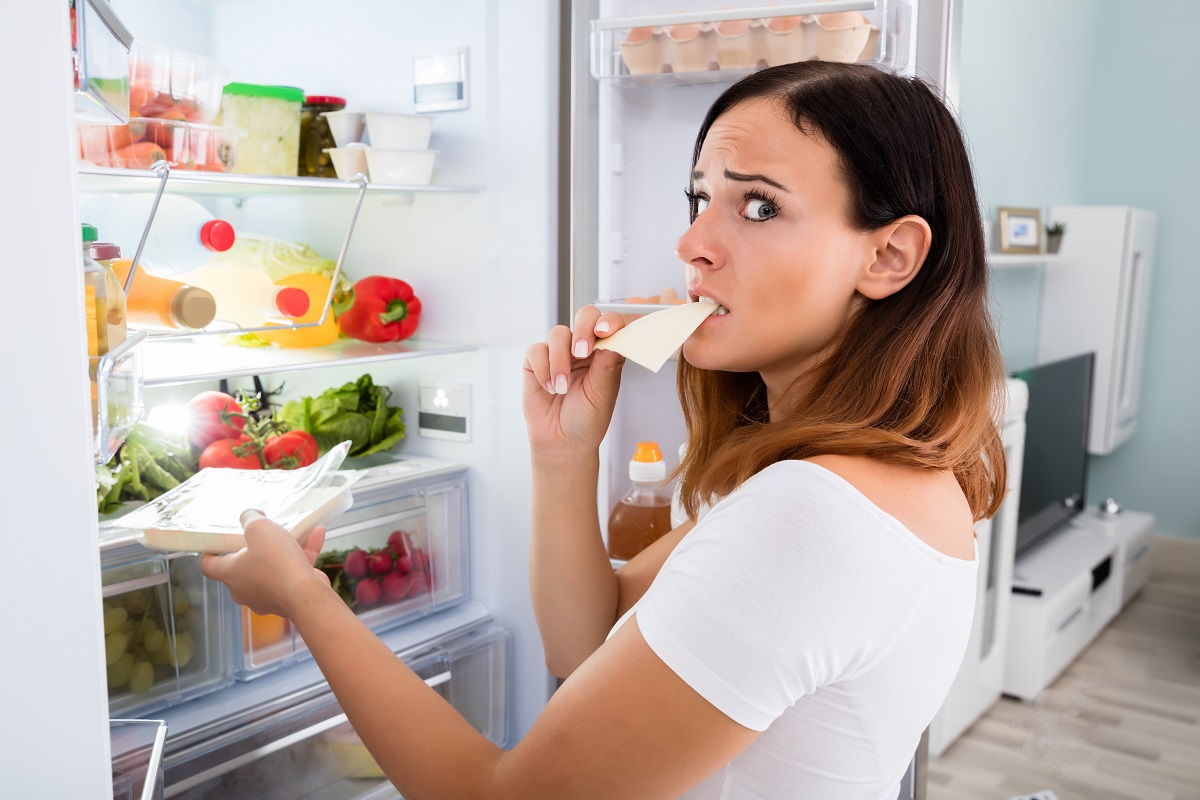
(1020, 260)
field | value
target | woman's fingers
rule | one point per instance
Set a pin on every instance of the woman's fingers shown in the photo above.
(559, 342)
(550, 362)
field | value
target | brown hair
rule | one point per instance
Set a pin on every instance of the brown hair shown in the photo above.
(914, 378)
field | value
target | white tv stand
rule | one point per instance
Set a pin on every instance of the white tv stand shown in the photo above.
(1066, 589)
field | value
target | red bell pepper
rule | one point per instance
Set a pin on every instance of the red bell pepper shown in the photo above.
(384, 310)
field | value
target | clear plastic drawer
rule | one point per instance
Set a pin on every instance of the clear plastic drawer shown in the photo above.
(117, 395)
(326, 758)
(723, 45)
(100, 51)
(163, 621)
(137, 747)
(396, 556)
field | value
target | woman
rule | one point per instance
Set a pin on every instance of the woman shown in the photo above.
(796, 640)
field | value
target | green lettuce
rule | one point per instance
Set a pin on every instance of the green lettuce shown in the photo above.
(357, 411)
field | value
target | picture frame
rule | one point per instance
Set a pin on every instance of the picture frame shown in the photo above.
(1020, 230)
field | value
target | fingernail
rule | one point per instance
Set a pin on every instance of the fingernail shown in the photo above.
(581, 349)
(560, 383)
(549, 387)
(602, 326)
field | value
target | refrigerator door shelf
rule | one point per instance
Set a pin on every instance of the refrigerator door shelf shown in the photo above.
(721, 46)
(101, 55)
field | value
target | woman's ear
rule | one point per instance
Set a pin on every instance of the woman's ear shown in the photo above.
(900, 250)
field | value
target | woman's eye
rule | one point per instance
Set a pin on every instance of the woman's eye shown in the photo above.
(760, 210)
(701, 203)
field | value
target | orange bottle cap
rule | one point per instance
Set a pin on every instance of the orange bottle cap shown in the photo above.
(647, 452)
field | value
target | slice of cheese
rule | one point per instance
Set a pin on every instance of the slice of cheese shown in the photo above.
(650, 340)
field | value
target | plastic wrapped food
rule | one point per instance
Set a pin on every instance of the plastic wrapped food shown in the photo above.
(270, 117)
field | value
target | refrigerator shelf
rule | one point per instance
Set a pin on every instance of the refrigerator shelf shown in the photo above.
(186, 361)
(101, 59)
(107, 179)
(1018, 260)
(723, 45)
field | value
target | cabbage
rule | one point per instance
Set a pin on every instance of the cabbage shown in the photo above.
(279, 258)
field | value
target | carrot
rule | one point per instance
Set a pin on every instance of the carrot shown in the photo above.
(138, 156)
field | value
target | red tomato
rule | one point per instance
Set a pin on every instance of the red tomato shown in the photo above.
(213, 416)
(240, 453)
(290, 450)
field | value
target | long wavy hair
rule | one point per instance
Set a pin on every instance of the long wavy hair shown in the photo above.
(914, 378)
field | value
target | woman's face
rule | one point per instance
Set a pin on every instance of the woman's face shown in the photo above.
(771, 243)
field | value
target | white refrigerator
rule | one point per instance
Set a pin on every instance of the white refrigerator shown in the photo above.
(557, 174)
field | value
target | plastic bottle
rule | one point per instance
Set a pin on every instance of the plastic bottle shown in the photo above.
(678, 515)
(155, 302)
(246, 296)
(95, 293)
(184, 234)
(644, 513)
(104, 253)
(317, 288)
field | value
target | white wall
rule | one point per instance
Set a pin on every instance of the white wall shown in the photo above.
(1096, 101)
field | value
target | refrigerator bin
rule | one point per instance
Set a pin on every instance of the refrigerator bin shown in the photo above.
(721, 46)
(116, 389)
(162, 622)
(396, 556)
(183, 145)
(100, 54)
(307, 748)
(173, 84)
(137, 767)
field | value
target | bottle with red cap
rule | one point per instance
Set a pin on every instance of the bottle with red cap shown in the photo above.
(644, 513)
(184, 234)
(246, 296)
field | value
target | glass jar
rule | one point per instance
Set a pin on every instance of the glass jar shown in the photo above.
(315, 135)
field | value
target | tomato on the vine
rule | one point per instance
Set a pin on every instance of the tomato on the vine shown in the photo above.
(240, 453)
(290, 450)
(213, 416)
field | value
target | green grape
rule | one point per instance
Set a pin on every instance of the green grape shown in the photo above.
(114, 646)
(141, 678)
(114, 618)
(153, 640)
(137, 602)
(181, 652)
(179, 600)
(118, 673)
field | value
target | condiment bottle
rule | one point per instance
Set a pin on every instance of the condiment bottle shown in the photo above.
(644, 513)
(95, 293)
(317, 288)
(246, 296)
(315, 135)
(104, 253)
(155, 302)
(184, 234)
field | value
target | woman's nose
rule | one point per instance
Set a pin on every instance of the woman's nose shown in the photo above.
(700, 246)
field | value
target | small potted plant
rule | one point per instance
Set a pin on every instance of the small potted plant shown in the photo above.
(1054, 235)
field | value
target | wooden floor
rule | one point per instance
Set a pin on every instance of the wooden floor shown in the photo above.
(1121, 723)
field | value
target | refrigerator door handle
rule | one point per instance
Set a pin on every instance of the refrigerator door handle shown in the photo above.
(281, 743)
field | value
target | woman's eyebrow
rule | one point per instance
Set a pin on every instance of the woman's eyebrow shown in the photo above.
(738, 176)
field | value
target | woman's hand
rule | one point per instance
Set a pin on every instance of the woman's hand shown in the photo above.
(273, 571)
(569, 389)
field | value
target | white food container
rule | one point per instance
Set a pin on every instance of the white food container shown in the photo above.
(391, 131)
(400, 167)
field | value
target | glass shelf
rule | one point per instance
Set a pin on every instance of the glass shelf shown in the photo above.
(189, 360)
(105, 179)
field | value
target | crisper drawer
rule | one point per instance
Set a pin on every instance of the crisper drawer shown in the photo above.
(163, 621)
(395, 557)
(326, 759)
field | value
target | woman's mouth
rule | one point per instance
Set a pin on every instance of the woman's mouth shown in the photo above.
(721, 310)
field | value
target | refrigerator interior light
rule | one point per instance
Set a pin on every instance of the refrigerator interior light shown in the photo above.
(169, 418)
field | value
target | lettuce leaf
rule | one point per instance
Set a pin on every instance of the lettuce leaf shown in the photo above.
(358, 412)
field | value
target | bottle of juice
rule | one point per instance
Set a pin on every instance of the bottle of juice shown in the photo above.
(246, 296)
(644, 513)
(95, 293)
(104, 253)
(317, 288)
(155, 302)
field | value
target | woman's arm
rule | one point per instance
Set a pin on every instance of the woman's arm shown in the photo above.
(624, 725)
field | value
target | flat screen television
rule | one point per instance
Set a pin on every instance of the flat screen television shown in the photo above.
(1054, 474)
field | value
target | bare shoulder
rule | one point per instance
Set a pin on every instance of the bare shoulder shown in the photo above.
(930, 503)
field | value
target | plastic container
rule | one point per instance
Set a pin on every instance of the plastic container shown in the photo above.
(349, 161)
(400, 167)
(246, 296)
(163, 630)
(173, 84)
(642, 51)
(644, 513)
(137, 765)
(95, 300)
(270, 116)
(391, 131)
(423, 509)
(104, 253)
(346, 126)
(100, 45)
(183, 145)
(316, 287)
(691, 47)
(184, 234)
(315, 136)
(155, 302)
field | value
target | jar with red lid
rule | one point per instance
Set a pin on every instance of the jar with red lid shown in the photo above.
(315, 135)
